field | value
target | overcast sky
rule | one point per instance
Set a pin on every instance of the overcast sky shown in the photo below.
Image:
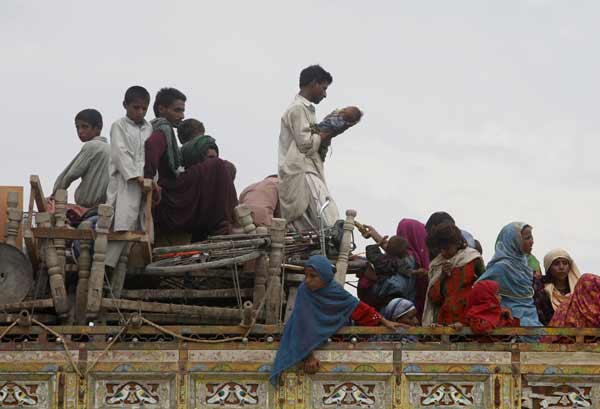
(485, 109)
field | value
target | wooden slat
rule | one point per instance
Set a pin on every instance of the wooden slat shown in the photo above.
(165, 294)
(74, 234)
(38, 193)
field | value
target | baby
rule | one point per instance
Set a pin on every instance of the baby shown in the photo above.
(334, 124)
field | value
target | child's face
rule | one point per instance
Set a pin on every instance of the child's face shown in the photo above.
(212, 153)
(136, 110)
(352, 114)
(85, 131)
(449, 251)
(173, 113)
(409, 318)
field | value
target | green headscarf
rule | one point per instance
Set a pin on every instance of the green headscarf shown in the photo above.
(173, 153)
(195, 150)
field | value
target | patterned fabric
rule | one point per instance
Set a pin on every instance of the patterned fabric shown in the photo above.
(451, 293)
(582, 309)
(316, 316)
(510, 270)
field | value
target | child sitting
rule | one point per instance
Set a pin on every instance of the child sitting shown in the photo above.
(90, 164)
(334, 124)
(451, 275)
(196, 145)
(394, 271)
(484, 312)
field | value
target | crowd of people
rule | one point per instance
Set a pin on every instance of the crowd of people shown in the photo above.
(427, 274)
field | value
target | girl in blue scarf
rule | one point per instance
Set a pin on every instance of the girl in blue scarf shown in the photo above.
(510, 270)
(322, 307)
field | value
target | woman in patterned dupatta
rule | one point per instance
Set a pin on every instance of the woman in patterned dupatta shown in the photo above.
(510, 270)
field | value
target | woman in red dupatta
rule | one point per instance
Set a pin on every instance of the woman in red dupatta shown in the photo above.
(414, 232)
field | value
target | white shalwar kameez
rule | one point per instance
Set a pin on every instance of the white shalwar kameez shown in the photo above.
(302, 186)
(124, 192)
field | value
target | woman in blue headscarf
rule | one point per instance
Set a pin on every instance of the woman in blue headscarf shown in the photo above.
(322, 307)
(509, 268)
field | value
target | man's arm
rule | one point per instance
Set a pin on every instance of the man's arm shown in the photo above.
(298, 121)
(74, 170)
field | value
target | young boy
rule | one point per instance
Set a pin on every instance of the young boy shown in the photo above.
(90, 164)
(124, 194)
(196, 145)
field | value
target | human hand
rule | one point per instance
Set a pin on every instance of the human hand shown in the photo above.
(140, 180)
(507, 313)
(156, 193)
(421, 272)
(393, 324)
(311, 364)
(446, 269)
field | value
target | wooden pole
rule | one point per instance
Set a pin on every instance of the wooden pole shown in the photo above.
(85, 263)
(243, 215)
(105, 213)
(220, 313)
(278, 227)
(344, 250)
(55, 273)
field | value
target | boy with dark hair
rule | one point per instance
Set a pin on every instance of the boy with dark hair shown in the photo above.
(90, 164)
(196, 145)
(302, 187)
(125, 188)
(199, 200)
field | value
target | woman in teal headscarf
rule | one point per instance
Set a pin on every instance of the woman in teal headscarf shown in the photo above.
(322, 307)
(510, 269)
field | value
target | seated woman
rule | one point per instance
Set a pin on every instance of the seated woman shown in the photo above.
(451, 276)
(484, 312)
(395, 270)
(414, 231)
(556, 286)
(322, 307)
(582, 308)
(510, 270)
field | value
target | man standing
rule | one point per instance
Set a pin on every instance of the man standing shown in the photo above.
(302, 186)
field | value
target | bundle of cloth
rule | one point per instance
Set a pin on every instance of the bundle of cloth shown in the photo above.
(334, 124)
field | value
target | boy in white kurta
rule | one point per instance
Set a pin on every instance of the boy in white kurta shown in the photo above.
(302, 186)
(124, 193)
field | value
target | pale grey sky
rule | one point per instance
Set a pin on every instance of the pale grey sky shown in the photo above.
(485, 109)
